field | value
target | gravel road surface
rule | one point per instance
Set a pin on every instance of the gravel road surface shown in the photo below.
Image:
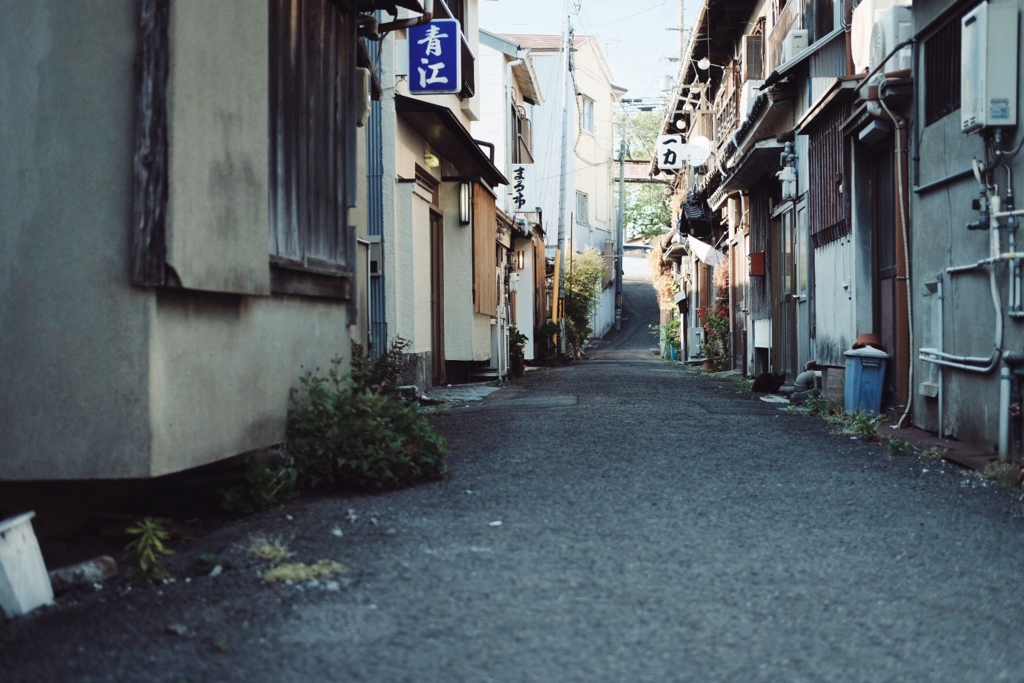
(619, 519)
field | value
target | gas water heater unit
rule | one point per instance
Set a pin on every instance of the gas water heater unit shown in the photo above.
(988, 67)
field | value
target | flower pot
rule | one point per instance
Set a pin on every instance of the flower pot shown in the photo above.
(518, 366)
(24, 583)
(709, 366)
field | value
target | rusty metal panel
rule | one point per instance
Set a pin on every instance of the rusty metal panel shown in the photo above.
(313, 55)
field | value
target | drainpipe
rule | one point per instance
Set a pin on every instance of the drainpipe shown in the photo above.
(370, 28)
(942, 334)
(875, 106)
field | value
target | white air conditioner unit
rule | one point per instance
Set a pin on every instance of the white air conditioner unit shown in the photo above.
(988, 67)
(751, 90)
(794, 42)
(895, 26)
(865, 16)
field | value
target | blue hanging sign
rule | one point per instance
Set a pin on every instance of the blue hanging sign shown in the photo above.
(435, 58)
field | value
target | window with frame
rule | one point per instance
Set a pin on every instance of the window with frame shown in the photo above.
(582, 208)
(942, 71)
(312, 139)
(586, 114)
(522, 136)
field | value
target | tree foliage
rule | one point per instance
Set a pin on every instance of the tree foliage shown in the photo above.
(646, 210)
(584, 274)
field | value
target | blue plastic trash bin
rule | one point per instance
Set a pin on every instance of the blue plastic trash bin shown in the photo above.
(865, 379)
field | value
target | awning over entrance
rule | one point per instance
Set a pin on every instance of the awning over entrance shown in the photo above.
(706, 253)
(443, 131)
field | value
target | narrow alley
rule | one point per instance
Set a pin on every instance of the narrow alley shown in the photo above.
(701, 535)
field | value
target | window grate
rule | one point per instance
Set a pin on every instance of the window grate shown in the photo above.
(942, 72)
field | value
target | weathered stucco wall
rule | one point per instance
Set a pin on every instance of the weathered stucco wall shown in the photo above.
(458, 281)
(101, 379)
(73, 335)
(218, 204)
(221, 367)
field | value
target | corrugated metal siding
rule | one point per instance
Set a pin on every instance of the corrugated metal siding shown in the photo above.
(825, 64)
(834, 314)
(375, 213)
(829, 216)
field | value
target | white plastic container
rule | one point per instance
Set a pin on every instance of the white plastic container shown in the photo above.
(24, 583)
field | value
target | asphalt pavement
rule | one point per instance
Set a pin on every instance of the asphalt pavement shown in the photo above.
(617, 519)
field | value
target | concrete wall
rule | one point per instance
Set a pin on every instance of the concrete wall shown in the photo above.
(940, 240)
(523, 313)
(73, 335)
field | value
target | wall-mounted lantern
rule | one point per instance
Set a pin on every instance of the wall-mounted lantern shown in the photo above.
(465, 203)
(520, 259)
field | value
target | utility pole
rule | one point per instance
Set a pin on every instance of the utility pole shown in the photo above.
(620, 229)
(563, 165)
(682, 31)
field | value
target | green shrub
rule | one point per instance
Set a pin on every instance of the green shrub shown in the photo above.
(380, 375)
(264, 485)
(343, 435)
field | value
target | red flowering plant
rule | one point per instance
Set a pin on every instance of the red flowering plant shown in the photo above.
(716, 337)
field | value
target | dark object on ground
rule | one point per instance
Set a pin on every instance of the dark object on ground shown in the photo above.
(769, 383)
(83, 574)
(798, 397)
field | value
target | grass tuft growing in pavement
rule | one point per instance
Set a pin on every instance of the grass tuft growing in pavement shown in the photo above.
(269, 549)
(297, 572)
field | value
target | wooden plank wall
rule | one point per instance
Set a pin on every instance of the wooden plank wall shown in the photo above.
(828, 208)
(485, 235)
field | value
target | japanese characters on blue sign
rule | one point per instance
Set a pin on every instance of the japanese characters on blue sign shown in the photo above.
(435, 58)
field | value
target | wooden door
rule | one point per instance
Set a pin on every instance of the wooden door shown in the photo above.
(784, 300)
(437, 298)
(886, 263)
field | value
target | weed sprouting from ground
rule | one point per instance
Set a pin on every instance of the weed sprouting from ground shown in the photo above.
(933, 453)
(272, 549)
(297, 572)
(899, 447)
(743, 385)
(149, 547)
(1001, 473)
(265, 485)
(863, 427)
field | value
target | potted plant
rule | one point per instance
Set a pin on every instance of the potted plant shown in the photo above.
(716, 339)
(516, 350)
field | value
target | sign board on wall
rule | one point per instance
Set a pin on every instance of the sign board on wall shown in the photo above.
(435, 58)
(670, 152)
(522, 188)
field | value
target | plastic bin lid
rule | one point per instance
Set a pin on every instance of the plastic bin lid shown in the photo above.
(867, 352)
(8, 524)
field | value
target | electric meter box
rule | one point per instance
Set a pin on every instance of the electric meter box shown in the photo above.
(988, 67)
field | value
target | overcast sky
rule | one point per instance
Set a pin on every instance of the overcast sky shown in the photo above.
(631, 33)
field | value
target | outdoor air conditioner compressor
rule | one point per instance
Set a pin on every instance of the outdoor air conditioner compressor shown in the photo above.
(988, 67)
